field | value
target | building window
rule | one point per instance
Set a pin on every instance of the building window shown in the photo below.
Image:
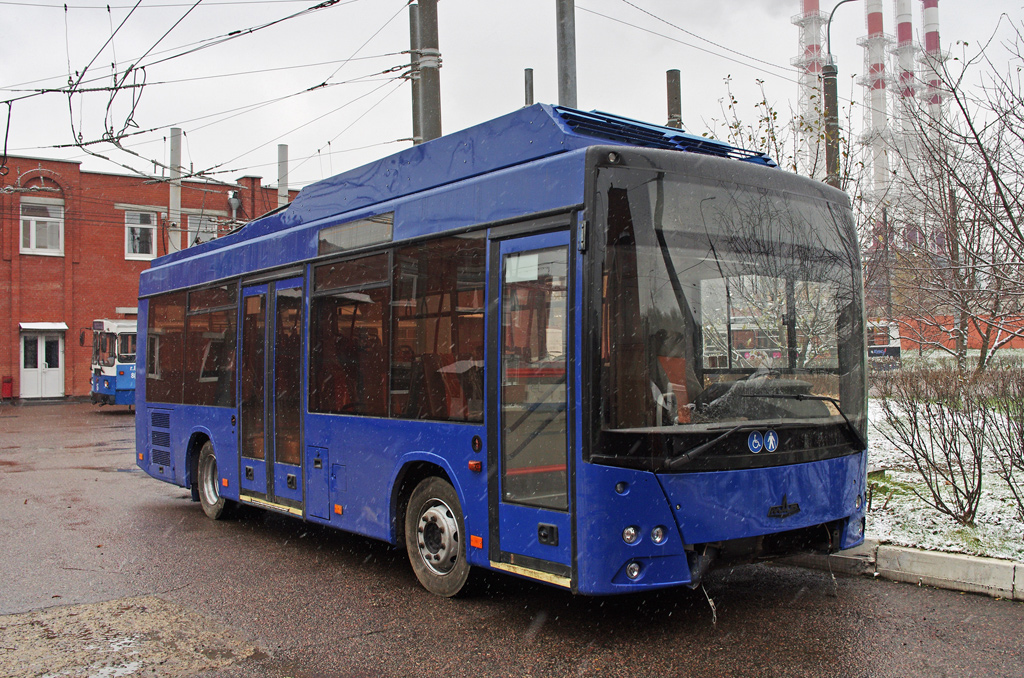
(139, 235)
(42, 227)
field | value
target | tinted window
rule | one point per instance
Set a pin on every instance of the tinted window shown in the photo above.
(348, 346)
(211, 337)
(438, 347)
(165, 350)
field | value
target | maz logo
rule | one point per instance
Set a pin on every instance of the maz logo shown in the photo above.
(784, 510)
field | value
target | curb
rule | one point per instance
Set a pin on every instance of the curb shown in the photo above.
(953, 571)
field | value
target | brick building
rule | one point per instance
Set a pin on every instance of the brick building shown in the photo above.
(72, 245)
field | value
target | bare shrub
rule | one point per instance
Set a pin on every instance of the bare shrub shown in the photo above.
(938, 419)
(1006, 437)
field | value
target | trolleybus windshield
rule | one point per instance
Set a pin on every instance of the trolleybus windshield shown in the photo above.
(727, 309)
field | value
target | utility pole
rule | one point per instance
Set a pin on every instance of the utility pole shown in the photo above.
(829, 74)
(430, 76)
(174, 211)
(566, 19)
(282, 175)
(414, 72)
(675, 99)
(528, 74)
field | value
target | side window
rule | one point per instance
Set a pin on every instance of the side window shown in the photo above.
(165, 351)
(438, 347)
(348, 337)
(139, 235)
(211, 336)
(42, 227)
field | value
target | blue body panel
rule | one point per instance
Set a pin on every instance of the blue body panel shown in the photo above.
(735, 504)
(700, 508)
(365, 456)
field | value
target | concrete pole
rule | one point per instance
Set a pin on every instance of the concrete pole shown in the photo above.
(414, 72)
(175, 232)
(528, 73)
(566, 19)
(430, 75)
(282, 175)
(675, 99)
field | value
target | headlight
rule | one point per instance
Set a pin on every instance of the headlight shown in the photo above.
(659, 534)
(633, 570)
(631, 534)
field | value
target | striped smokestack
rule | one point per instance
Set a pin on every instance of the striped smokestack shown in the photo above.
(810, 59)
(933, 58)
(874, 82)
(905, 53)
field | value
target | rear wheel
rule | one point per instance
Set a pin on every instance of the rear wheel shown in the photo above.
(435, 537)
(208, 480)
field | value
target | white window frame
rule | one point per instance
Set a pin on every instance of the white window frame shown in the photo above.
(133, 219)
(32, 223)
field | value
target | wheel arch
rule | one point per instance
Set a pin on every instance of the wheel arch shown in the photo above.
(196, 440)
(412, 470)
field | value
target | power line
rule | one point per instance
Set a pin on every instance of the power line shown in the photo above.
(258, 71)
(193, 47)
(688, 44)
(701, 37)
(165, 5)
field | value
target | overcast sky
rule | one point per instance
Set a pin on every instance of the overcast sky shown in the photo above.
(237, 99)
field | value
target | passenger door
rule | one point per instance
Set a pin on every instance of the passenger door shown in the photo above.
(271, 397)
(533, 534)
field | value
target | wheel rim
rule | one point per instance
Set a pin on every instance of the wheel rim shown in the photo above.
(208, 480)
(438, 537)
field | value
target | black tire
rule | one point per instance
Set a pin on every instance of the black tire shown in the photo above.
(435, 537)
(208, 482)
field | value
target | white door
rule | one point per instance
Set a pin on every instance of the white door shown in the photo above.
(42, 365)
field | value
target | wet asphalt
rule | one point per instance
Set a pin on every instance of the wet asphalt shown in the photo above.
(105, 571)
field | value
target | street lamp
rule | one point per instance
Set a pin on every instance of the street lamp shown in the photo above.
(829, 73)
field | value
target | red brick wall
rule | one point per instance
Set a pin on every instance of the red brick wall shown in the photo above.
(93, 278)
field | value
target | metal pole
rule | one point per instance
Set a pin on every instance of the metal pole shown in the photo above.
(430, 76)
(566, 19)
(829, 74)
(675, 99)
(174, 211)
(282, 175)
(414, 71)
(529, 86)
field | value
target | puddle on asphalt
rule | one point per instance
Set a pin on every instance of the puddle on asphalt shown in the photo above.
(126, 637)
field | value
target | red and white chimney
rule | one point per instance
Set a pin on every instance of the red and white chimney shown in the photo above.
(933, 58)
(874, 82)
(809, 60)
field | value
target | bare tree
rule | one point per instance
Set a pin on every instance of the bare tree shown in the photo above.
(958, 266)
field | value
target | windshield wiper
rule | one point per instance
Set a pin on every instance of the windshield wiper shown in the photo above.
(857, 437)
(688, 456)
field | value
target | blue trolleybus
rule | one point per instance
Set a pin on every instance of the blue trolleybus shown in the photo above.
(581, 349)
(112, 380)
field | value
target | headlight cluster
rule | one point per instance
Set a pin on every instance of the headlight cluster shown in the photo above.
(631, 534)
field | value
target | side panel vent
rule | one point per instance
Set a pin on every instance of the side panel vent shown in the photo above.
(160, 437)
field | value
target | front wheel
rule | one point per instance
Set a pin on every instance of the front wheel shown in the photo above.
(214, 505)
(435, 537)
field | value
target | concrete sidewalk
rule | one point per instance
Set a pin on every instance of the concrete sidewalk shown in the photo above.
(954, 571)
